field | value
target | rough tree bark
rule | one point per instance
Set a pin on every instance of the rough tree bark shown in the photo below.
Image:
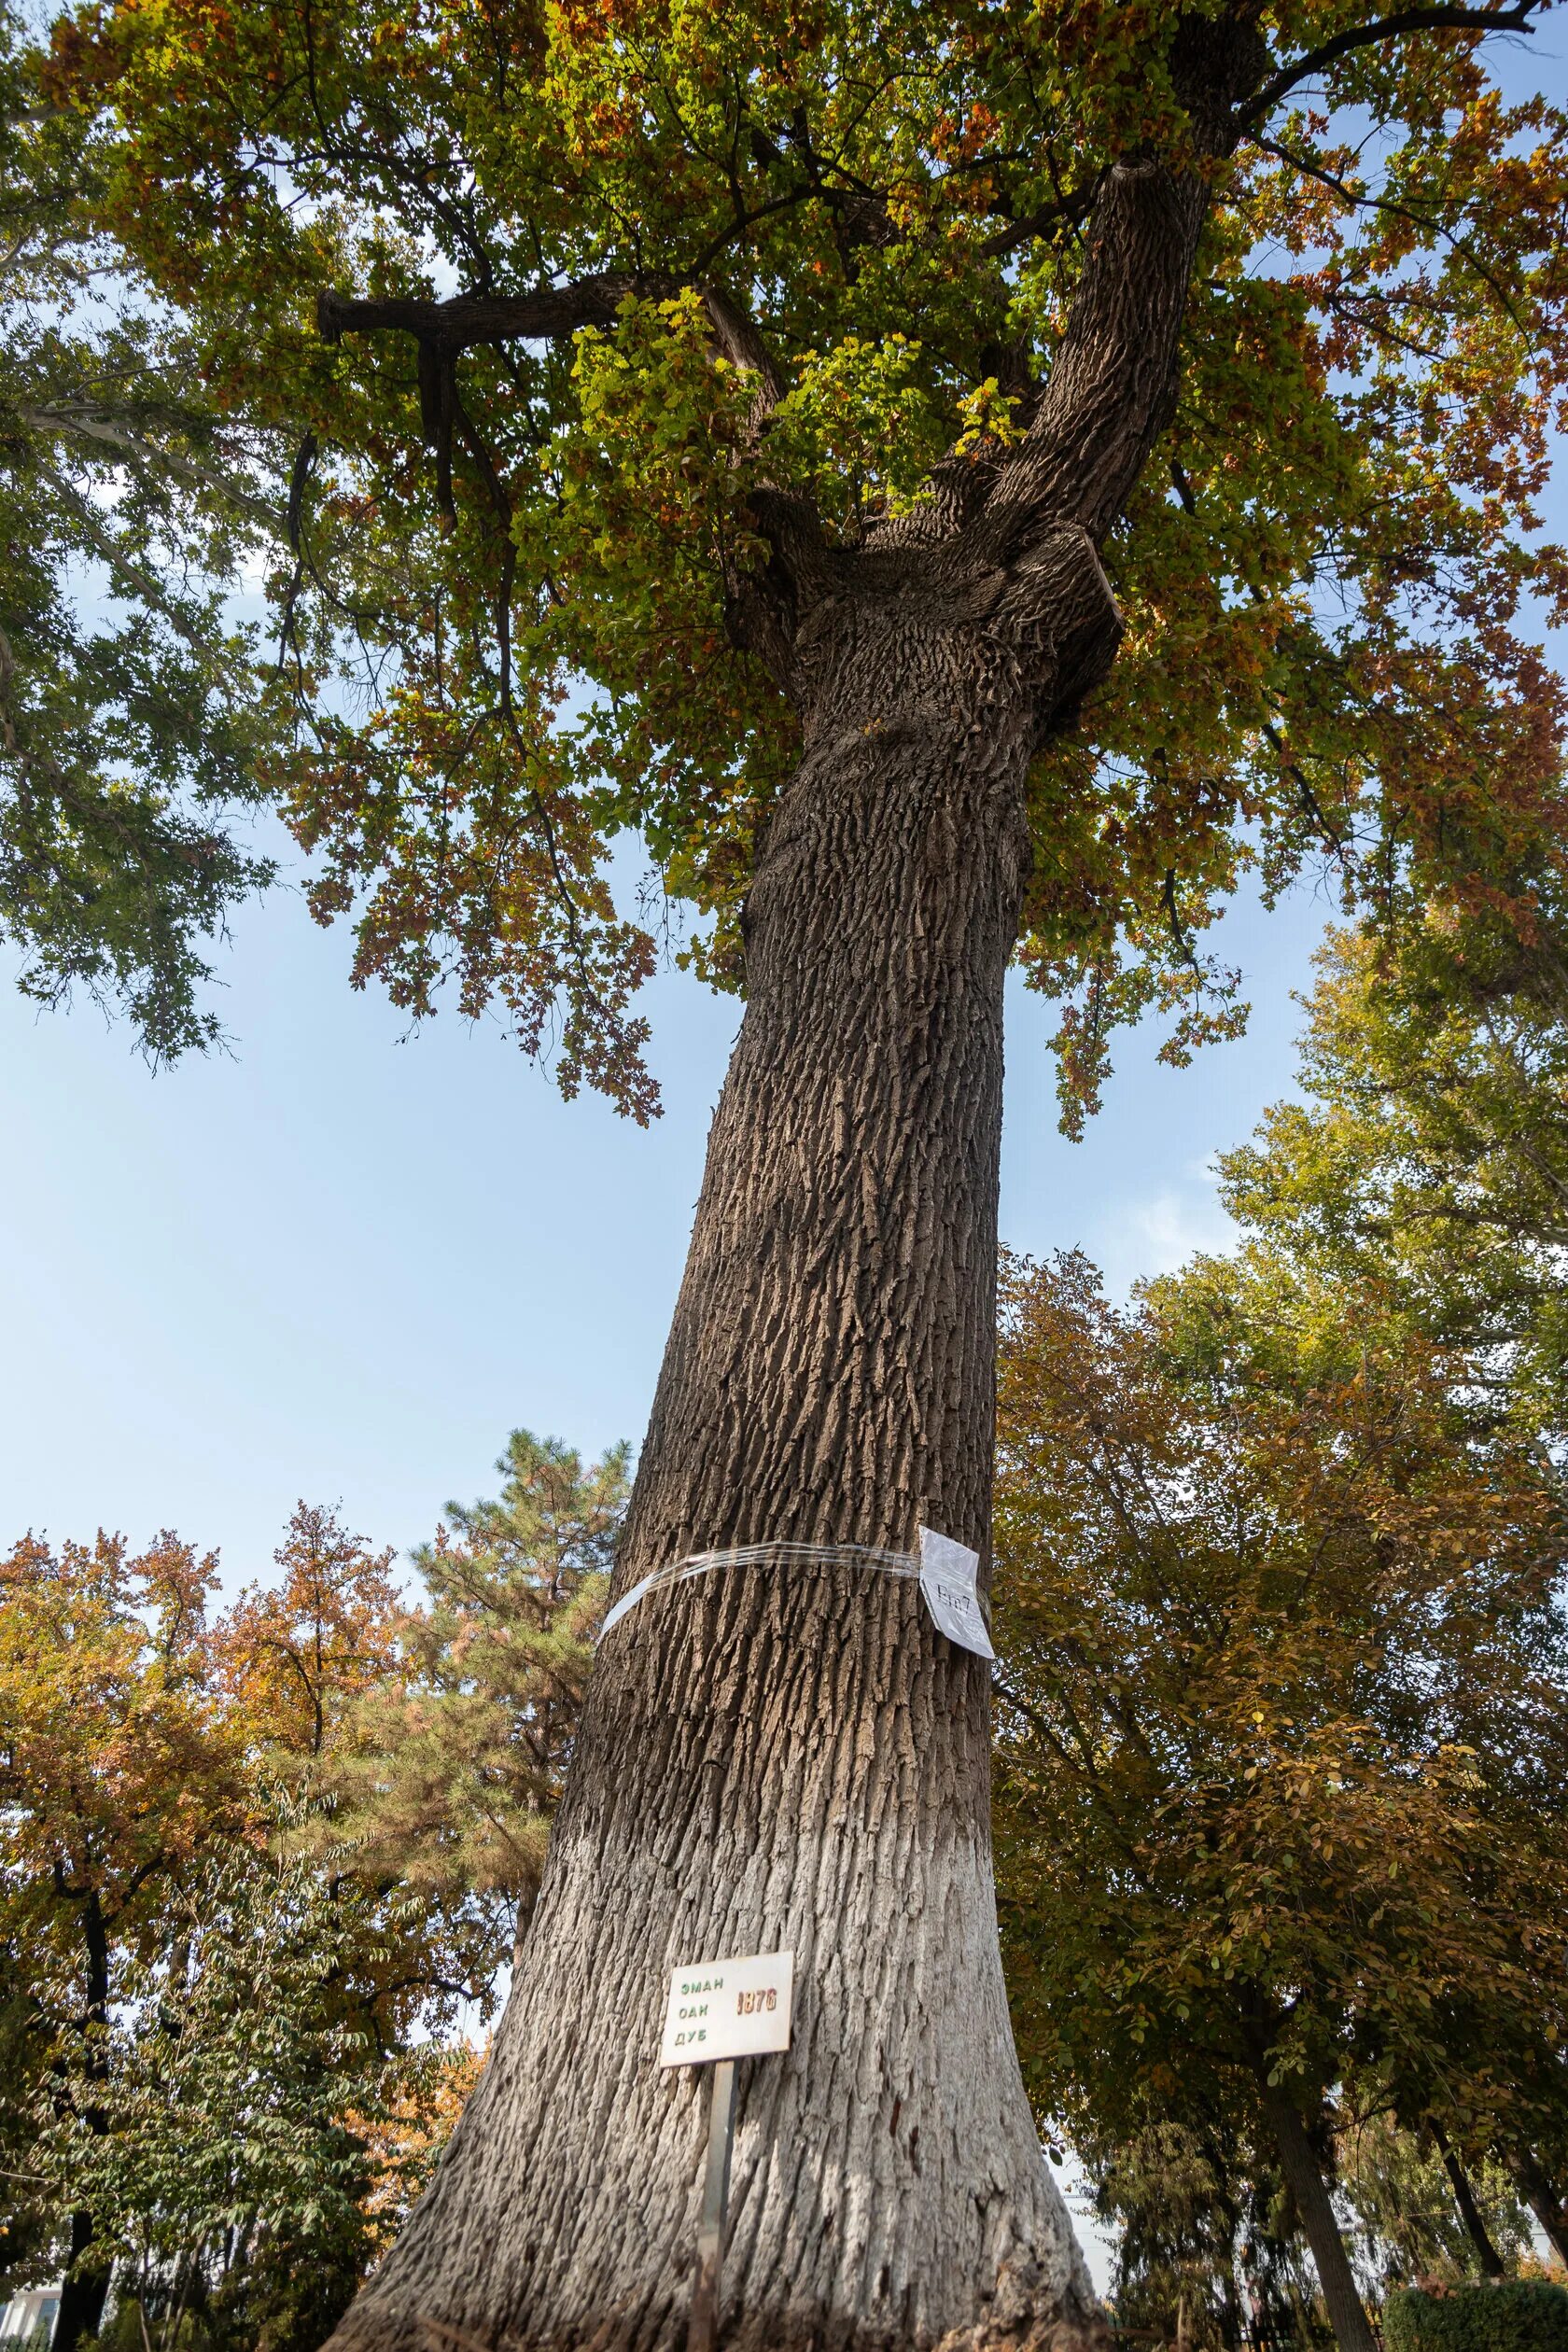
(772, 1760)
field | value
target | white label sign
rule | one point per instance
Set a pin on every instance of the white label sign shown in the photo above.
(947, 1574)
(728, 2009)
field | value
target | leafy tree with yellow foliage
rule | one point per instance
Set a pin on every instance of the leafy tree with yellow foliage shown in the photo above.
(117, 1767)
(298, 1652)
(194, 2002)
(1285, 1725)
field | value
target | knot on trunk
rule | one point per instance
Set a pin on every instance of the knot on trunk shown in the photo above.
(938, 646)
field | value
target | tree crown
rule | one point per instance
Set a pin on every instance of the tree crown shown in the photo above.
(707, 316)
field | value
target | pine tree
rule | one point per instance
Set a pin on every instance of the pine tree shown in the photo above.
(447, 1774)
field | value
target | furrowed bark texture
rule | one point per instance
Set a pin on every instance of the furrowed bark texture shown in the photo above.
(788, 1760)
(776, 1759)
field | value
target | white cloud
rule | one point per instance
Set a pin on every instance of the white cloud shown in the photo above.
(1160, 1233)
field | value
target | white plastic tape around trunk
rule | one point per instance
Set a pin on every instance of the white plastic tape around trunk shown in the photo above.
(945, 1570)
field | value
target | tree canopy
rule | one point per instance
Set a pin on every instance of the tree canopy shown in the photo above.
(1430, 1151)
(1283, 1722)
(257, 1866)
(135, 714)
(620, 301)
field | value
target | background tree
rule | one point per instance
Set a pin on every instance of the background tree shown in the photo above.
(1431, 1154)
(1283, 1643)
(793, 380)
(233, 2168)
(1403, 2199)
(446, 1774)
(300, 1651)
(116, 1769)
(1432, 1146)
(225, 2055)
(300, 1656)
(27, 2222)
(1176, 2213)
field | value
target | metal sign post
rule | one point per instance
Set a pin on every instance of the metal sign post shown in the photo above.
(707, 2287)
(720, 2010)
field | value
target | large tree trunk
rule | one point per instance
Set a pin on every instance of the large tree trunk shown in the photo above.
(787, 1759)
(1298, 2161)
(778, 1759)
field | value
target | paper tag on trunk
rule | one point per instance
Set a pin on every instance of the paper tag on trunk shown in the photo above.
(947, 1574)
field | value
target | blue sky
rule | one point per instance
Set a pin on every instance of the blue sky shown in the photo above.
(344, 1262)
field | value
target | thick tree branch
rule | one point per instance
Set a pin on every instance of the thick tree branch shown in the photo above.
(453, 326)
(1112, 384)
(443, 330)
(1110, 388)
(1513, 19)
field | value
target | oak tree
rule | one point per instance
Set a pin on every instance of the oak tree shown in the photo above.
(758, 430)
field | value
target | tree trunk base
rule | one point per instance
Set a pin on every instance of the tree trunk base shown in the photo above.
(1091, 2334)
(1088, 2333)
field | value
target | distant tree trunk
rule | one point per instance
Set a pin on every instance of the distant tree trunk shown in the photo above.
(772, 1760)
(87, 2273)
(1541, 2195)
(1469, 2211)
(1298, 2161)
(1233, 2327)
